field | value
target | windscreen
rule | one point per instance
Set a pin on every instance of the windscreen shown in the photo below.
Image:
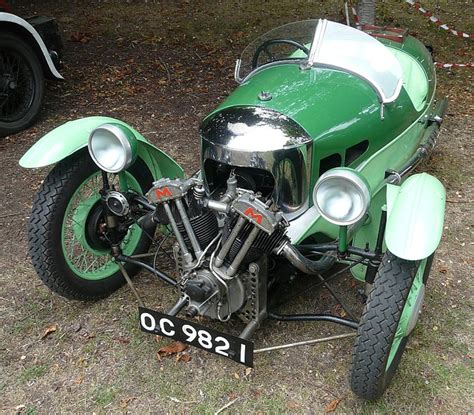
(291, 42)
(342, 47)
(322, 43)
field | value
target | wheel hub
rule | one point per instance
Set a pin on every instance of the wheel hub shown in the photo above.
(89, 225)
(95, 228)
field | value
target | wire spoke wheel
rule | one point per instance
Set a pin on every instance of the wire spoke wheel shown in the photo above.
(87, 260)
(68, 238)
(21, 84)
(17, 83)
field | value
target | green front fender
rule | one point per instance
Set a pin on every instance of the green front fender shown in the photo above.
(415, 216)
(73, 136)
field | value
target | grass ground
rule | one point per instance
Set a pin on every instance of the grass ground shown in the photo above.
(161, 67)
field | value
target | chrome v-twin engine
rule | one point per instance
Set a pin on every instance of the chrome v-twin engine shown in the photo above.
(220, 246)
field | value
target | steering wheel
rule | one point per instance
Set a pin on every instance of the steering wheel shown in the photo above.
(264, 47)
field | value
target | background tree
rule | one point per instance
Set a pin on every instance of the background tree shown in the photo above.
(366, 11)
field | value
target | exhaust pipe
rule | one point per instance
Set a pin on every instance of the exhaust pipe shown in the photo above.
(299, 261)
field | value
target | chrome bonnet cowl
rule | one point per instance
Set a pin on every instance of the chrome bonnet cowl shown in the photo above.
(264, 139)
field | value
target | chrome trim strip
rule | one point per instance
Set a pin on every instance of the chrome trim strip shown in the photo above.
(302, 61)
(317, 41)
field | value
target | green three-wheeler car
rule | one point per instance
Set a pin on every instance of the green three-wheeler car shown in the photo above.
(303, 167)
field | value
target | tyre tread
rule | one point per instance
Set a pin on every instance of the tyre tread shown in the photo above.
(378, 325)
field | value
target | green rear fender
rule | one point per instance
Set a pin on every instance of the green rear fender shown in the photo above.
(415, 217)
(73, 136)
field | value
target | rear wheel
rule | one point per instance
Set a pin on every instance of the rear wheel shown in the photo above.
(390, 314)
(67, 243)
(21, 84)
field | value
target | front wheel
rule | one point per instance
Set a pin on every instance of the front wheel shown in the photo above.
(389, 316)
(66, 230)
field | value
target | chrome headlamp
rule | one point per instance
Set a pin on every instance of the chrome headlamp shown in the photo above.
(341, 196)
(113, 147)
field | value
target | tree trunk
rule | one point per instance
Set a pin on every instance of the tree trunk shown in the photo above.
(367, 12)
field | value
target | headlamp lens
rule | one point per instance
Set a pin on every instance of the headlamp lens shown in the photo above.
(112, 147)
(341, 196)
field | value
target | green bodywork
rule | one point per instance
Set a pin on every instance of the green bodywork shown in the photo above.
(337, 109)
(72, 136)
(340, 110)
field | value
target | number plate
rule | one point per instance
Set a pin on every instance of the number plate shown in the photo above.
(185, 331)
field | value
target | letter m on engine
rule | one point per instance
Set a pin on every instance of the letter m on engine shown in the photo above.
(162, 193)
(257, 217)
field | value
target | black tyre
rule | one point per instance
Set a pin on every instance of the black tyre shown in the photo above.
(389, 316)
(65, 243)
(21, 84)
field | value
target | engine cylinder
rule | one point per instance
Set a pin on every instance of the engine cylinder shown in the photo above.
(204, 226)
(263, 244)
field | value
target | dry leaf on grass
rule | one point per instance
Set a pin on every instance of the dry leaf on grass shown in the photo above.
(183, 357)
(331, 406)
(125, 401)
(80, 37)
(49, 330)
(79, 380)
(292, 405)
(170, 349)
(232, 395)
(121, 339)
(338, 310)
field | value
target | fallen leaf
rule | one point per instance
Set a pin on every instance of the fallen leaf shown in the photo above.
(338, 310)
(248, 371)
(158, 338)
(331, 406)
(183, 357)
(257, 392)
(79, 380)
(125, 401)
(292, 406)
(232, 395)
(49, 330)
(172, 348)
(122, 340)
(80, 37)
(236, 375)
